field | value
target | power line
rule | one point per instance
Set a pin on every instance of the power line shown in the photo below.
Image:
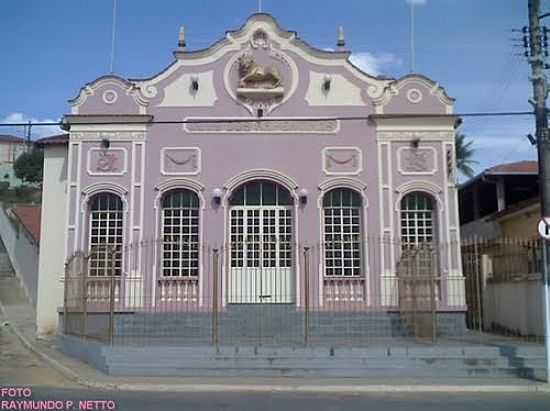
(267, 119)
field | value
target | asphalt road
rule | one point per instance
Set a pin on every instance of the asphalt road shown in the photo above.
(141, 401)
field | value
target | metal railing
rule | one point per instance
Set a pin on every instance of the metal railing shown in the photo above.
(268, 293)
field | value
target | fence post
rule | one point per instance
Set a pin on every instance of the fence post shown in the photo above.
(112, 296)
(84, 277)
(477, 290)
(65, 310)
(432, 279)
(215, 258)
(306, 295)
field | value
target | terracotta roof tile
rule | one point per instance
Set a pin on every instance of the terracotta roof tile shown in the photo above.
(30, 218)
(6, 138)
(531, 167)
(57, 139)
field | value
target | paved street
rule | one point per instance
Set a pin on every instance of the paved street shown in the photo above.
(20, 368)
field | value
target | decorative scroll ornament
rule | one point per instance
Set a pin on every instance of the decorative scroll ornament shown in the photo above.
(416, 161)
(259, 39)
(330, 159)
(106, 162)
(191, 159)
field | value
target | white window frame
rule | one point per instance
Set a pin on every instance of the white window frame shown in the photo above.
(340, 213)
(187, 247)
(99, 262)
(418, 225)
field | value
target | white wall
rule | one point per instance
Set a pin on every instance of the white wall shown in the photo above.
(52, 239)
(22, 250)
(516, 305)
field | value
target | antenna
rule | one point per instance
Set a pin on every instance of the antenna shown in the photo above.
(259, 6)
(412, 38)
(113, 38)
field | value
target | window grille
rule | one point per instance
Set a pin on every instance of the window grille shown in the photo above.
(105, 234)
(417, 220)
(342, 230)
(180, 231)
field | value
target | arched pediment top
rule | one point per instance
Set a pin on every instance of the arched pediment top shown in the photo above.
(261, 174)
(110, 80)
(105, 187)
(179, 182)
(343, 182)
(251, 36)
(425, 86)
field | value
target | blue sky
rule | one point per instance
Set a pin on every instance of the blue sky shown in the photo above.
(49, 49)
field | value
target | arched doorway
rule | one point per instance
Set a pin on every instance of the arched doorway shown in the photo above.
(261, 266)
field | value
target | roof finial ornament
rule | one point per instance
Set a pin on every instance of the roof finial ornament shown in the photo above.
(181, 39)
(341, 43)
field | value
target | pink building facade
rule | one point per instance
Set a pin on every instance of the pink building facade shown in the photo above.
(259, 146)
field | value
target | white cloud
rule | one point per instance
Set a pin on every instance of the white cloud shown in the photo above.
(36, 131)
(374, 63)
(417, 2)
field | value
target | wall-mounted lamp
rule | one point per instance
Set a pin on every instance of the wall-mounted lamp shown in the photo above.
(302, 195)
(105, 143)
(415, 142)
(217, 195)
(194, 84)
(326, 83)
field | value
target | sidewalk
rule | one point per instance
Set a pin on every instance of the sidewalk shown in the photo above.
(20, 318)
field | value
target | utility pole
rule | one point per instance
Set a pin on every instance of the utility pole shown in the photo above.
(536, 59)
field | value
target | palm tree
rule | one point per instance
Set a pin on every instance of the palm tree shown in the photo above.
(464, 153)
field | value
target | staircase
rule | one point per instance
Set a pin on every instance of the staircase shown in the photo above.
(258, 361)
(11, 291)
(6, 270)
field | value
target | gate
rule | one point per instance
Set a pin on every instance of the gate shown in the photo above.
(89, 301)
(261, 255)
(418, 291)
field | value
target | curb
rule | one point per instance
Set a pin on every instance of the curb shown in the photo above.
(280, 388)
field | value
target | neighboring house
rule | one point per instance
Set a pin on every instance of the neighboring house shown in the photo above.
(10, 148)
(358, 191)
(487, 200)
(520, 221)
(20, 232)
(500, 211)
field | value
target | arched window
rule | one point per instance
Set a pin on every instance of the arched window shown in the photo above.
(180, 234)
(417, 219)
(343, 234)
(105, 234)
(260, 193)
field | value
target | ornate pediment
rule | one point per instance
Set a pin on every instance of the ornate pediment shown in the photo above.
(260, 75)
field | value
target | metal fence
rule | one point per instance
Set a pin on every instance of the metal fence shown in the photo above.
(270, 293)
(503, 286)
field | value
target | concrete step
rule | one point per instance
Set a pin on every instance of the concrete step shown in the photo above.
(154, 370)
(309, 352)
(313, 363)
(6, 269)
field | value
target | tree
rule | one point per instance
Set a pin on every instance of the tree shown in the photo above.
(464, 153)
(29, 166)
